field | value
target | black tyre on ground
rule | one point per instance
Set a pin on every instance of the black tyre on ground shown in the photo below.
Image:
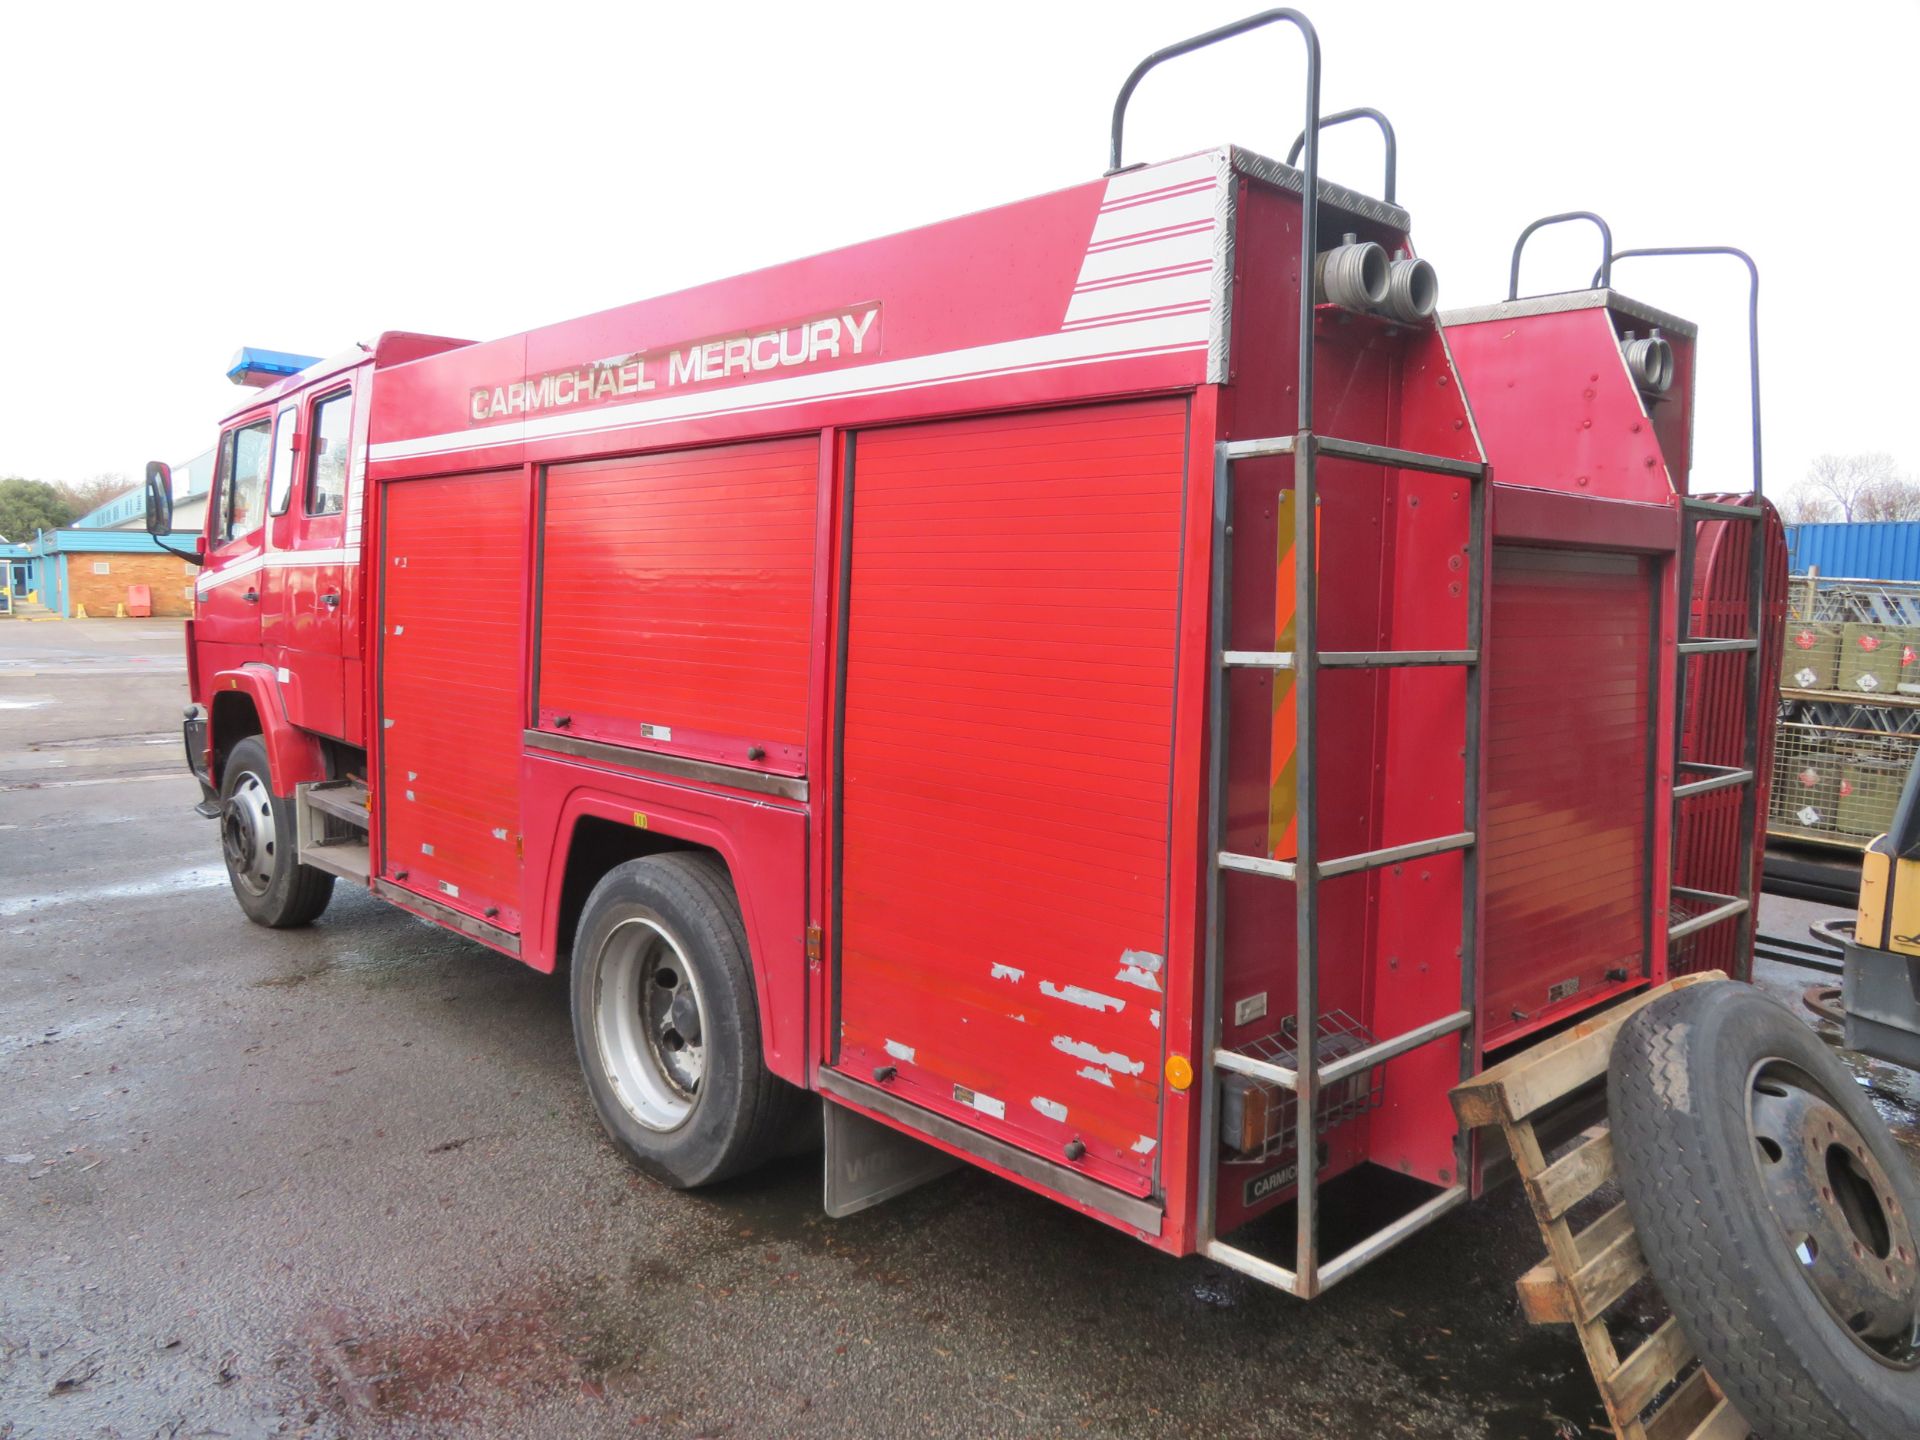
(1776, 1212)
(668, 1026)
(257, 838)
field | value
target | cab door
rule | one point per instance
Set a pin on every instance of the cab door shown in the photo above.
(228, 590)
(306, 571)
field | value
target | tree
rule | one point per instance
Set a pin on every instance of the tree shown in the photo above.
(1855, 487)
(1802, 506)
(86, 495)
(30, 505)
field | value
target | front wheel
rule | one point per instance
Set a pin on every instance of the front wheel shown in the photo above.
(667, 1024)
(257, 839)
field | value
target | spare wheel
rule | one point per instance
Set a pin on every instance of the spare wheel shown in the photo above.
(1776, 1212)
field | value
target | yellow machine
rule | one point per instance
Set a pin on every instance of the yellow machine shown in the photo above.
(1880, 989)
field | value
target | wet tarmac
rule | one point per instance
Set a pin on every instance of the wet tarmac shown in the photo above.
(344, 1182)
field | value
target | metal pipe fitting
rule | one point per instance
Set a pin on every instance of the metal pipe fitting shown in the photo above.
(1352, 275)
(1413, 289)
(1649, 361)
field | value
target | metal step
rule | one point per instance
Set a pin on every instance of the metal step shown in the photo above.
(1719, 777)
(1351, 659)
(348, 861)
(1335, 448)
(1335, 1071)
(342, 799)
(1726, 907)
(1346, 864)
(321, 810)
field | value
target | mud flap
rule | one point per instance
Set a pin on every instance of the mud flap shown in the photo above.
(868, 1162)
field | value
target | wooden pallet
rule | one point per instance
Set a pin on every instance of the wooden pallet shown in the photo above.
(1588, 1271)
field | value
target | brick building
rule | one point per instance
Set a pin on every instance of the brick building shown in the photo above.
(72, 568)
(94, 561)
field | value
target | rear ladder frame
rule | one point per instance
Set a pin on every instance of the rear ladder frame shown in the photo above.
(1307, 870)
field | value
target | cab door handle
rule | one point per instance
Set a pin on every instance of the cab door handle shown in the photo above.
(331, 599)
(252, 597)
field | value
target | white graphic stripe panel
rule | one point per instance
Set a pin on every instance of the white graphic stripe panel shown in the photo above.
(1130, 253)
(1039, 351)
(1151, 178)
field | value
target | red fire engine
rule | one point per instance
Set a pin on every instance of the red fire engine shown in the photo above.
(1015, 680)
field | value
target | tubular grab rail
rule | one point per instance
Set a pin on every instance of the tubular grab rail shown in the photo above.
(1606, 246)
(1753, 321)
(1310, 172)
(1360, 112)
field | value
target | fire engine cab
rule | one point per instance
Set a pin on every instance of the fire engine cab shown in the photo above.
(1076, 689)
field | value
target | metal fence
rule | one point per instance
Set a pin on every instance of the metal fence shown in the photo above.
(1841, 601)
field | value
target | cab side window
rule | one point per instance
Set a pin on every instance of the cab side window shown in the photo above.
(280, 487)
(327, 462)
(242, 485)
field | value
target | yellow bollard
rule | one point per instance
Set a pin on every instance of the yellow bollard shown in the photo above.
(79, 612)
(119, 611)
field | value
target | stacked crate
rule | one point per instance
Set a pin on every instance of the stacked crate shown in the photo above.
(1810, 660)
(1850, 710)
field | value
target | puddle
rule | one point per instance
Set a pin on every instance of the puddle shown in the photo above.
(170, 772)
(452, 1369)
(196, 877)
(1533, 1385)
(70, 1030)
(444, 1371)
(108, 742)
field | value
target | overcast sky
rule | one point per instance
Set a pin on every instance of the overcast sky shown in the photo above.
(181, 180)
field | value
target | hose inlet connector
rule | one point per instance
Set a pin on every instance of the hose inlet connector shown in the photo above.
(1352, 275)
(1649, 361)
(1413, 289)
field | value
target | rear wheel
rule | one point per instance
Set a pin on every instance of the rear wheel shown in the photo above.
(257, 839)
(1776, 1213)
(667, 1024)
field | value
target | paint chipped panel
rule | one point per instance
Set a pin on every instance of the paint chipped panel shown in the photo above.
(1011, 642)
(1111, 1059)
(1077, 995)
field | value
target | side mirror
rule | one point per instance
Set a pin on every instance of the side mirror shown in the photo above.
(160, 513)
(159, 498)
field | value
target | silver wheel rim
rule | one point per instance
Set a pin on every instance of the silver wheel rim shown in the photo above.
(1853, 1244)
(248, 835)
(649, 1023)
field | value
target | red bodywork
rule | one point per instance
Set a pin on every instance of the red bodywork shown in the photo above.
(885, 575)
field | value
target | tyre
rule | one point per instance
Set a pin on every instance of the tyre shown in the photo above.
(668, 1026)
(257, 838)
(1776, 1213)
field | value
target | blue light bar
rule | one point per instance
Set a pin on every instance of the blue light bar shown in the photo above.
(256, 368)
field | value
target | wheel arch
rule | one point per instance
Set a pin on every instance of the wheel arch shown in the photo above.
(596, 830)
(246, 701)
(594, 846)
